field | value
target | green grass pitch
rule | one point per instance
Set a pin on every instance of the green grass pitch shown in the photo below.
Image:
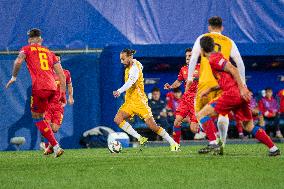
(243, 166)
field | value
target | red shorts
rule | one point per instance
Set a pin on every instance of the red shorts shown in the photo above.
(40, 100)
(235, 103)
(186, 107)
(55, 113)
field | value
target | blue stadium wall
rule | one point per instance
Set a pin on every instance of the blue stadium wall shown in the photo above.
(154, 28)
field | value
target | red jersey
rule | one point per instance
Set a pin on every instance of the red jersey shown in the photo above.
(225, 79)
(172, 102)
(40, 61)
(281, 98)
(68, 81)
(182, 76)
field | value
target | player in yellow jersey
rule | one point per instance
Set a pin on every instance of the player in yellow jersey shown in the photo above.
(228, 48)
(136, 102)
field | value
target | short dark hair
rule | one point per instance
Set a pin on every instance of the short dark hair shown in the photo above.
(34, 32)
(129, 52)
(58, 54)
(177, 90)
(215, 21)
(268, 89)
(156, 89)
(207, 44)
(188, 50)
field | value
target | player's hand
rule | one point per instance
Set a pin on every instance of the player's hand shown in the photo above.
(10, 82)
(194, 127)
(245, 93)
(167, 86)
(188, 84)
(116, 94)
(70, 100)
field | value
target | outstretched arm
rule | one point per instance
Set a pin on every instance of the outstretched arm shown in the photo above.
(17, 66)
(175, 84)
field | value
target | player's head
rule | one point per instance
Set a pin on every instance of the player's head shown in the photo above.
(156, 93)
(215, 24)
(58, 56)
(187, 55)
(207, 45)
(268, 92)
(126, 56)
(34, 35)
(177, 93)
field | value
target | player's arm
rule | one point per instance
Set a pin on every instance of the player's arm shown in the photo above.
(236, 56)
(174, 85)
(133, 77)
(207, 91)
(59, 71)
(245, 93)
(196, 50)
(70, 93)
(16, 68)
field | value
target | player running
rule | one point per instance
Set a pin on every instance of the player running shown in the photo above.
(229, 49)
(234, 96)
(40, 62)
(186, 105)
(55, 113)
(136, 102)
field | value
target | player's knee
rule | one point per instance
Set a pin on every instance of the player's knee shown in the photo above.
(55, 128)
(37, 115)
(223, 120)
(248, 126)
(177, 122)
(117, 120)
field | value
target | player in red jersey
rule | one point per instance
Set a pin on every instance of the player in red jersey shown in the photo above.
(55, 112)
(186, 105)
(234, 97)
(40, 62)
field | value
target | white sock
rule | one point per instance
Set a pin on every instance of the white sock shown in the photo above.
(166, 136)
(273, 149)
(213, 142)
(129, 129)
(223, 124)
(56, 147)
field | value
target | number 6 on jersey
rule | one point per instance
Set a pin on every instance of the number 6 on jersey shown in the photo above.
(43, 61)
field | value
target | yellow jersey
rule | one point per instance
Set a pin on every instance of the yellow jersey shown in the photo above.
(223, 44)
(136, 91)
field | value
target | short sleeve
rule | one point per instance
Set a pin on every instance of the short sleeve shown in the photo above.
(180, 78)
(68, 77)
(24, 50)
(218, 62)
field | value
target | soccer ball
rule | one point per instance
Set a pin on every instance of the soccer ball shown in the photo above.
(115, 147)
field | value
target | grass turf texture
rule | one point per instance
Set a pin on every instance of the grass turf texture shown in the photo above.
(243, 166)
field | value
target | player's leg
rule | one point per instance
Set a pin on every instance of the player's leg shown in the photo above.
(223, 124)
(39, 104)
(244, 113)
(120, 120)
(151, 123)
(208, 127)
(177, 128)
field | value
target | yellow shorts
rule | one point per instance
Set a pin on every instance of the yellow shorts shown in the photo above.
(201, 102)
(139, 108)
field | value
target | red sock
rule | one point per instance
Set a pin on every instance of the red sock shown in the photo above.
(46, 131)
(209, 129)
(177, 133)
(263, 138)
(239, 127)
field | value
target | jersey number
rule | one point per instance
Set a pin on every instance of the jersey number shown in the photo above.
(217, 47)
(43, 61)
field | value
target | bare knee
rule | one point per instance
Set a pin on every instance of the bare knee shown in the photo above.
(37, 115)
(248, 126)
(178, 121)
(55, 128)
